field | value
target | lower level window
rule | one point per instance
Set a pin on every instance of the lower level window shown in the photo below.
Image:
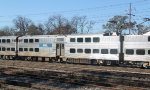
(12, 49)
(36, 49)
(140, 52)
(113, 51)
(129, 51)
(104, 51)
(87, 51)
(149, 52)
(95, 50)
(30, 49)
(72, 50)
(3, 49)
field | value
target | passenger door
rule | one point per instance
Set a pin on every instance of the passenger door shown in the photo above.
(60, 50)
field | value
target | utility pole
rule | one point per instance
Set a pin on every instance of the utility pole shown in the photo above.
(130, 17)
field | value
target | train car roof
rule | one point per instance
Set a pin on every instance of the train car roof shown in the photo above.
(8, 36)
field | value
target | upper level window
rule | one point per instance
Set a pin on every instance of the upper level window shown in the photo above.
(113, 51)
(96, 39)
(60, 39)
(129, 51)
(79, 39)
(3, 40)
(140, 52)
(87, 39)
(8, 40)
(149, 38)
(25, 40)
(36, 40)
(104, 51)
(31, 40)
(72, 39)
(72, 50)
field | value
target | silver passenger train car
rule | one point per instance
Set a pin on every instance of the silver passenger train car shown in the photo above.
(82, 48)
(41, 47)
(7, 47)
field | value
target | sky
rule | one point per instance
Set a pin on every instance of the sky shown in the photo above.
(99, 11)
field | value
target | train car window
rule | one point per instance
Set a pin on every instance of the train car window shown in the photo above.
(36, 49)
(3, 49)
(72, 40)
(104, 51)
(79, 50)
(0, 48)
(30, 40)
(20, 49)
(148, 51)
(25, 40)
(57, 46)
(60, 39)
(25, 49)
(95, 50)
(129, 51)
(87, 39)
(3, 40)
(62, 46)
(79, 39)
(12, 49)
(149, 38)
(8, 49)
(113, 51)
(36, 40)
(140, 52)
(87, 51)
(96, 39)
(30, 49)
(72, 50)
(8, 40)
(0, 40)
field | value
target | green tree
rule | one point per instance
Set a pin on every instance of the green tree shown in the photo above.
(33, 30)
(118, 24)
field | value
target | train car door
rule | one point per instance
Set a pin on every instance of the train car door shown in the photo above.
(60, 50)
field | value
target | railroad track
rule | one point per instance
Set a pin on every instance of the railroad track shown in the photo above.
(82, 74)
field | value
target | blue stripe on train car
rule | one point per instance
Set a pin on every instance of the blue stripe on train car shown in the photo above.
(45, 45)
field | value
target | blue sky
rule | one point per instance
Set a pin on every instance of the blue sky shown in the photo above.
(99, 11)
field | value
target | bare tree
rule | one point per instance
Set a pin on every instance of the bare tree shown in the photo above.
(22, 24)
(6, 31)
(56, 25)
(41, 29)
(81, 24)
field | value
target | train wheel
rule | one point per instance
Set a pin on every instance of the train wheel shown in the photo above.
(145, 65)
